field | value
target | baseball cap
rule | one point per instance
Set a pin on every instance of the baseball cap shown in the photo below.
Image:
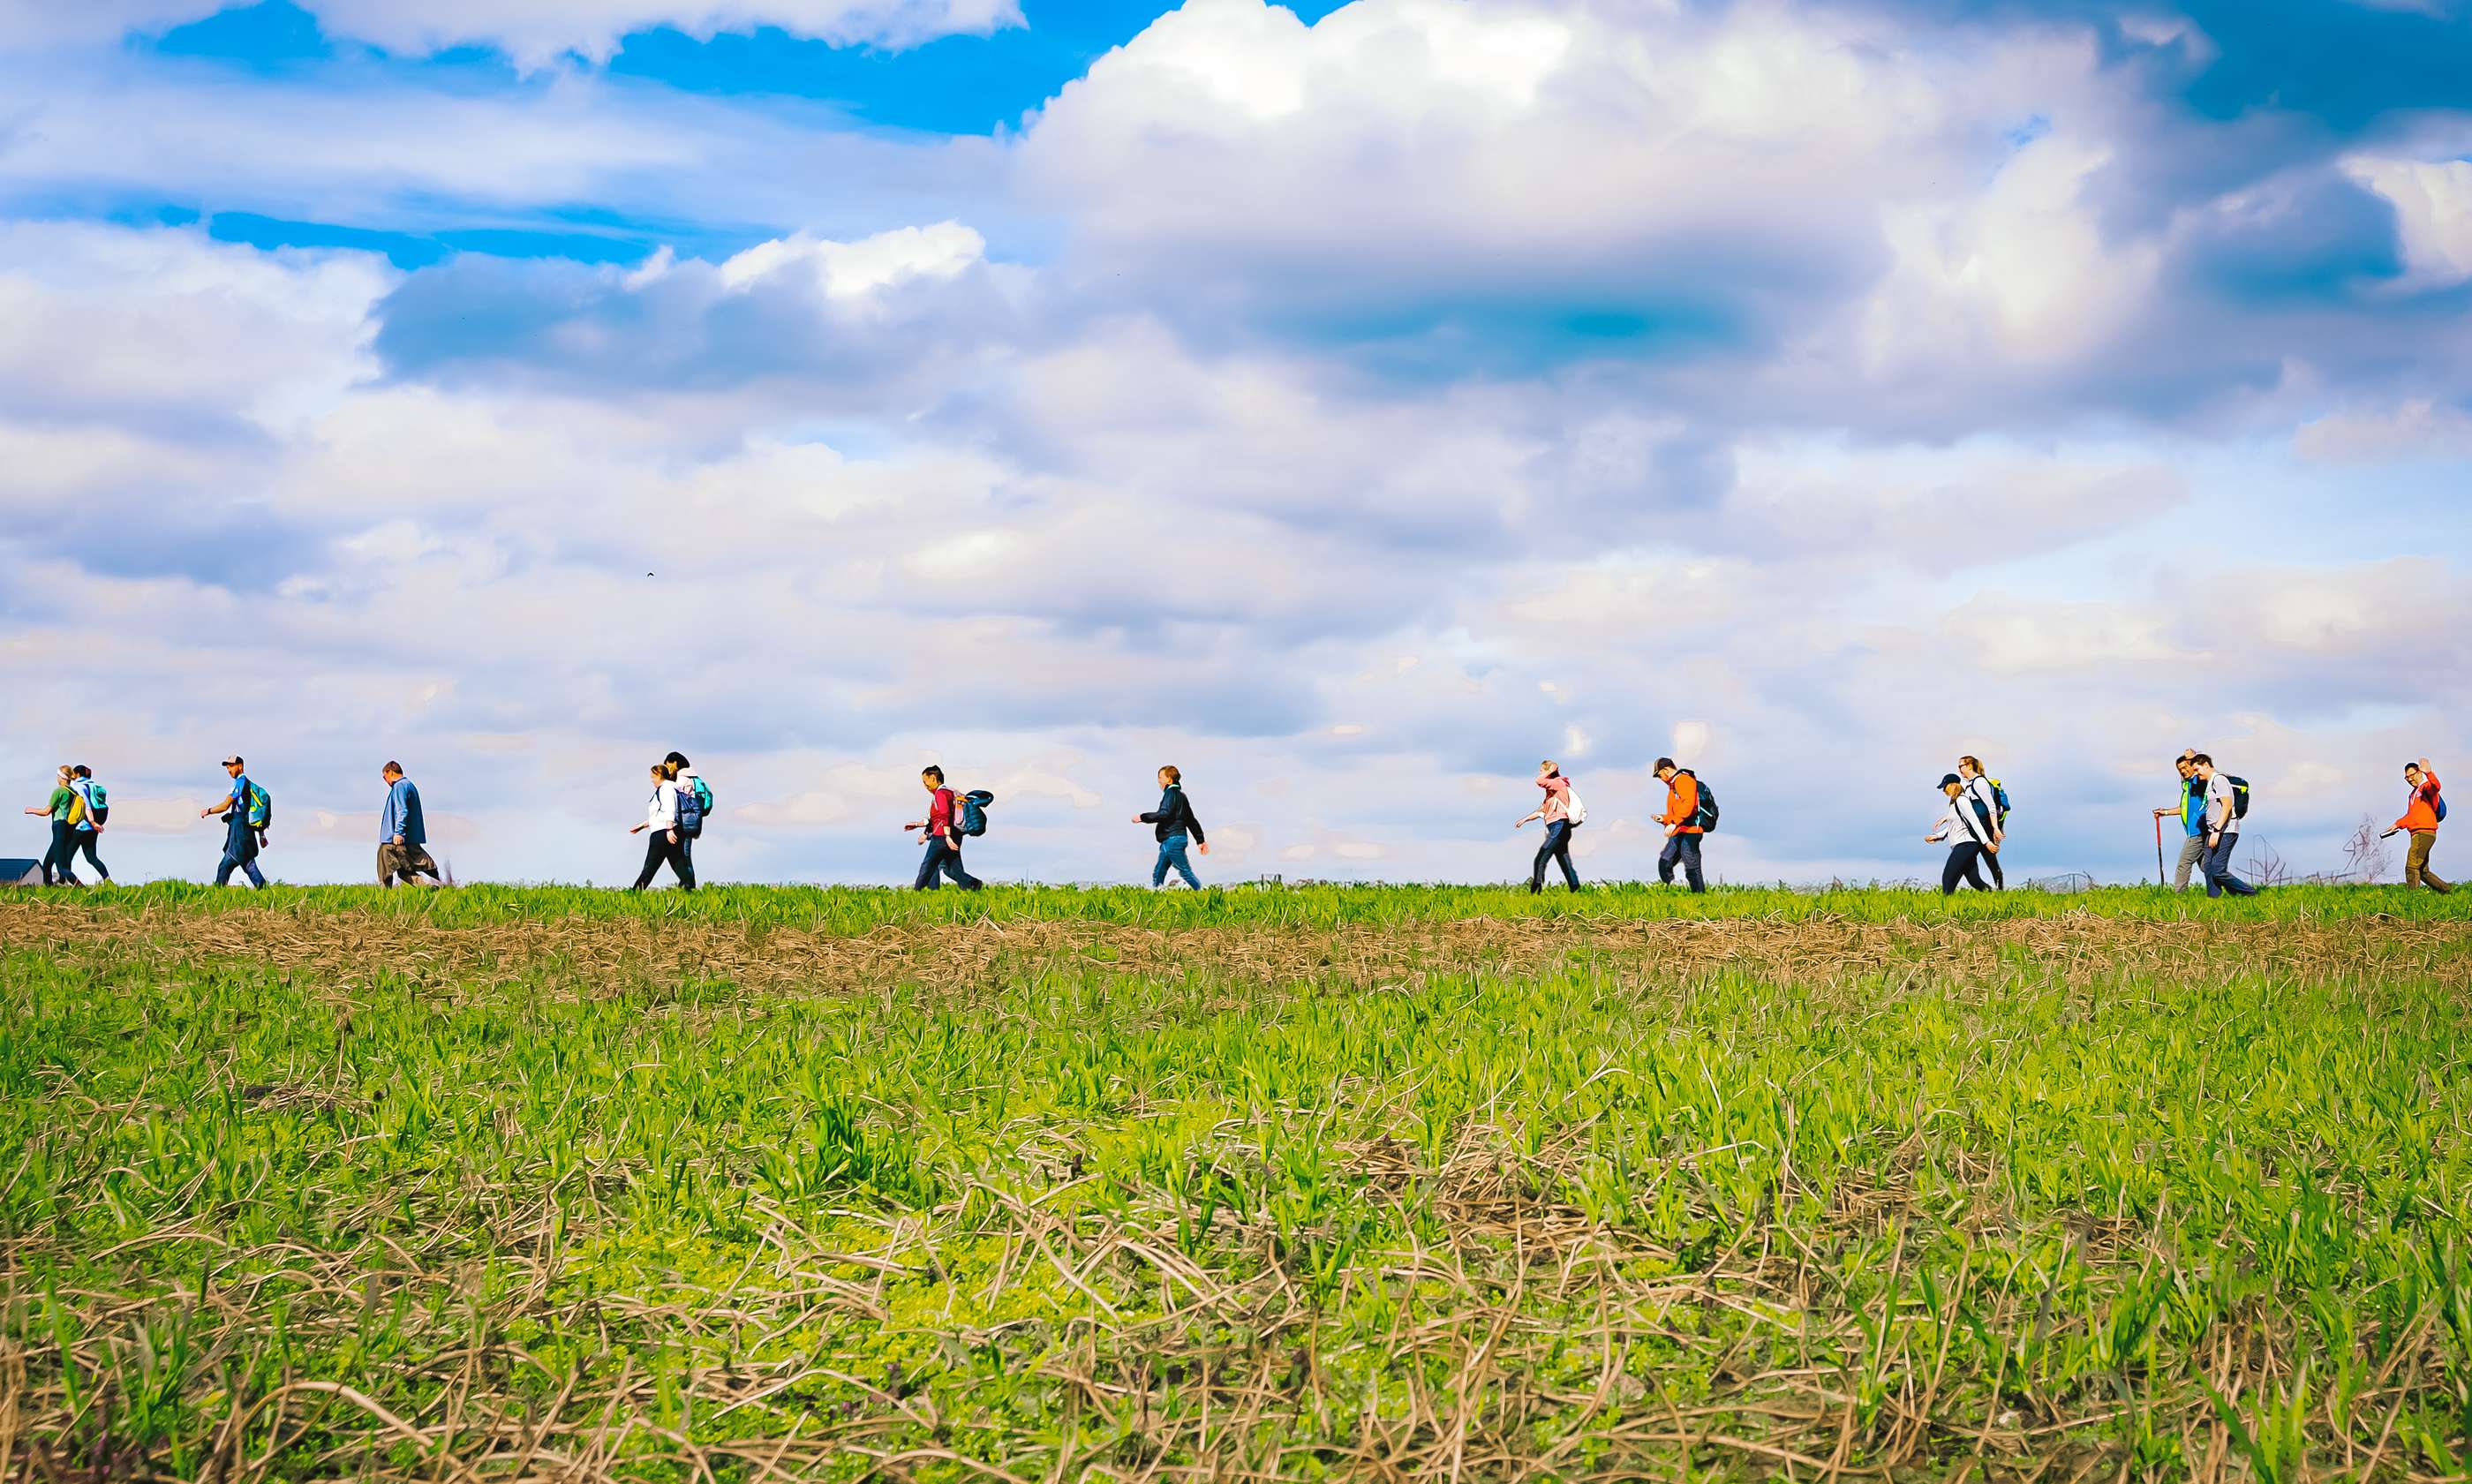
(1950, 779)
(233, 761)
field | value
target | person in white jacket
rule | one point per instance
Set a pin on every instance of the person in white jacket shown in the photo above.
(1966, 825)
(668, 842)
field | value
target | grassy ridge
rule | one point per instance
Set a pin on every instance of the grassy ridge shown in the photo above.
(2088, 1207)
(860, 909)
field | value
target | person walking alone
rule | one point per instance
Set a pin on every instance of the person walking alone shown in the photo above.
(2420, 816)
(241, 838)
(2227, 810)
(1986, 794)
(2192, 812)
(403, 834)
(1966, 825)
(1562, 813)
(1172, 825)
(1683, 832)
(89, 828)
(64, 809)
(943, 836)
(668, 842)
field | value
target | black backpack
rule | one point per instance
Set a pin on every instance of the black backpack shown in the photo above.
(1706, 817)
(972, 817)
(2240, 796)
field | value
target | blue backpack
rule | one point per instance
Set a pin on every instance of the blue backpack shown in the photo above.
(257, 809)
(972, 817)
(2000, 797)
(691, 806)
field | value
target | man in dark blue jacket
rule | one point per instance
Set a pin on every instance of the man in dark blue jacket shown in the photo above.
(1172, 825)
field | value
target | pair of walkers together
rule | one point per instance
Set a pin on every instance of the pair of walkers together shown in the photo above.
(249, 813)
(954, 817)
(77, 808)
(1690, 813)
(2213, 809)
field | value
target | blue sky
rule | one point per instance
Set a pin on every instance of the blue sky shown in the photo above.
(1351, 403)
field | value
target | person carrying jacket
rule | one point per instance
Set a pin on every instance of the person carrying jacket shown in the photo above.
(403, 834)
(1966, 825)
(89, 830)
(1173, 824)
(2420, 817)
(1683, 832)
(943, 836)
(65, 810)
(2192, 812)
(1556, 811)
(668, 842)
(240, 843)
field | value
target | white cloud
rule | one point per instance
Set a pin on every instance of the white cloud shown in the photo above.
(853, 269)
(2415, 429)
(2432, 202)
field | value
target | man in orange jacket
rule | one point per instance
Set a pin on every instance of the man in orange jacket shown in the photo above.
(2420, 817)
(1681, 830)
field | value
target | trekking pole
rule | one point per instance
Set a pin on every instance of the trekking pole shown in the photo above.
(2159, 852)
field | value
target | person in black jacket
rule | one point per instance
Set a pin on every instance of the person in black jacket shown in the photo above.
(1173, 824)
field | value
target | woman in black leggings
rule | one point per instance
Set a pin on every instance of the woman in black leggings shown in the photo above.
(668, 842)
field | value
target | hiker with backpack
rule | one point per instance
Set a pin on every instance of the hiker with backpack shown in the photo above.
(2423, 813)
(246, 810)
(403, 834)
(948, 818)
(1690, 813)
(88, 830)
(695, 798)
(669, 842)
(1995, 799)
(64, 808)
(1562, 812)
(1173, 824)
(2227, 813)
(2192, 812)
(1965, 823)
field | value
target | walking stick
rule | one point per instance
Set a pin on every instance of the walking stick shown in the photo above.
(2159, 852)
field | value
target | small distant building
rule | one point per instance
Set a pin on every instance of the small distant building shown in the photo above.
(16, 871)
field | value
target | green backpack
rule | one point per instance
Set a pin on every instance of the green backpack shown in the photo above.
(258, 809)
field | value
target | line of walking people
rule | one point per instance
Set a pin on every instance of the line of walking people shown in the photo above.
(2214, 808)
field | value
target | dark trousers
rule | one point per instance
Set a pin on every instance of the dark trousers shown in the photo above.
(1992, 864)
(1965, 864)
(946, 859)
(1555, 849)
(240, 853)
(659, 848)
(84, 839)
(58, 860)
(2218, 869)
(1171, 854)
(402, 862)
(1682, 850)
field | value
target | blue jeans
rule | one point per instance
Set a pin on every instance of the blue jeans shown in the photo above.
(1681, 850)
(947, 859)
(234, 860)
(1556, 848)
(2218, 869)
(1171, 854)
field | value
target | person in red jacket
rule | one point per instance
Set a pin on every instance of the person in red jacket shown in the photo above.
(943, 836)
(1681, 830)
(2420, 817)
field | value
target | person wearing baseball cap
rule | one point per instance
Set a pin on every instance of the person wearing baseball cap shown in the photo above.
(241, 838)
(1966, 825)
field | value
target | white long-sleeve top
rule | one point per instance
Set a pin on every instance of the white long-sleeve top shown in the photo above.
(1978, 789)
(664, 806)
(1958, 822)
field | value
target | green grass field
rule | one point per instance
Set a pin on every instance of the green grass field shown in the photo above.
(1366, 1182)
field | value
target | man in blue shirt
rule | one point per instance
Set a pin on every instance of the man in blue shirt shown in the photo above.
(403, 836)
(2192, 817)
(242, 840)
